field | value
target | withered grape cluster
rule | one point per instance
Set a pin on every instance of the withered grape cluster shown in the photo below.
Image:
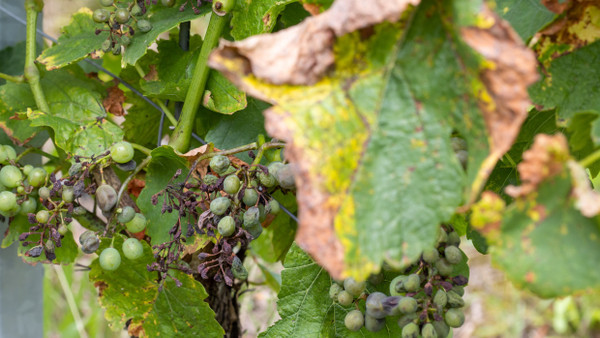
(426, 298)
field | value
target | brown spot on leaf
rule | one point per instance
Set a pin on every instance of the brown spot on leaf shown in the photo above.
(101, 287)
(113, 102)
(556, 6)
(136, 186)
(266, 19)
(300, 54)
(135, 329)
(313, 9)
(152, 74)
(530, 277)
(545, 159)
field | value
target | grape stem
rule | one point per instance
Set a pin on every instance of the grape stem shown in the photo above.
(38, 151)
(32, 74)
(13, 78)
(141, 148)
(180, 139)
(590, 159)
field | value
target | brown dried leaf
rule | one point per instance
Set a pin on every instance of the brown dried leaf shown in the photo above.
(152, 75)
(545, 159)
(113, 103)
(202, 167)
(300, 54)
(556, 6)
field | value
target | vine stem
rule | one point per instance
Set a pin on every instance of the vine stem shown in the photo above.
(32, 74)
(64, 284)
(181, 137)
(37, 151)
(13, 78)
(141, 148)
(590, 159)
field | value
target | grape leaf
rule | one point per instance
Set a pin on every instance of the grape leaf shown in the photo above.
(142, 122)
(305, 307)
(12, 60)
(526, 17)
(15, 99)
(159, 173)
(131, 293)
(256, 17)
(387, 114)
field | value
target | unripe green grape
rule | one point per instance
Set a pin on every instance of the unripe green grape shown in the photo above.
(454, 318)
(101, 15)
(353, 287)
(441, 328)
(28, 206)
(354, 320)
(219, 164)
(344, 298)
(238, 269)
(106, 46)
(110, 259)
(116, 50)
(210, 179)
(374, 324)
(374, 305)
(125, 40)
(44, 193)
(274, 168)
(267, 180)
(407, 319)
(431, 255)
(231, 184)
(407, 305)
(454, 300)
(441, 298)
(106, 197)
(144, 26)
(273, 207)
(250, 197)
(376, 278)
(334, 290)
(106, 3)
(49, 245)
(453, 254)
(8, 202)
(444, 267)
(90, 243)
(63, 229)
(219, 205)
(412, 283)
(226, 226)
(79, 211)
(10, 176)
(27, 169)
(251, 216)
(68, 194)
(133, 248)
(397, 286)
(255, 229)
(42, 216)
(459, 290)
(453, 238)
(11, 154)
(168, 3)
(285, 177)
(411, 330)
(222, 7)
(137, 224)
(20, 190)
(442, 236)
(122, 15)
(126, 215)
(136, 10)
(121, 152)
(428, 331)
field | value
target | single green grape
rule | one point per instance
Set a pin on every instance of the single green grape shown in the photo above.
(137, 224)
(89, 242)
(28, 206)
(374, 324)
(428, 331)
(44, 193)
(27, 169)
(133, 248)
(442, 236)
(101, 15)
(168, 3)
(444, 267)
(106, 3)
(250, 197)
(219, 164)
(407, 319)
(126, 215)
(42, 216)
(354, 320)
(110, 259)
(353, 287)
(255, 230)
(63, 229)
(238, 269)
(453, 238)
(226, 226)
(397, 286)
(231, 184)
(374, 305)
(116, 50)
(20, 190)
(144, 26)
(441, 298)
(219, 205)
(106, 197)
(11, 154)
(122, 16)
(136, 10)
(407, 305)
(431, 255)
(68, 194)
(274, 167)
(344, 298)
(459, 290)
(455, 300)
(125, 40)
(334, 290)
(121, 152)
(210, 179)
(252, 216)
(285, 177)
(441, 328)
(273, 207)
(267, 180)
(10, 176)
(412, 283)
(79, 211)
(8, 202)
(411, 330)
(454, 318)
(453, 254)
(106, 46)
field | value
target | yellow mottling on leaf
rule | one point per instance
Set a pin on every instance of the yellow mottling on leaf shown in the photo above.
(417, 143)
(564, 230)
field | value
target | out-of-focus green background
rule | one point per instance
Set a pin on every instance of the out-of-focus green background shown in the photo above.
(494, 307)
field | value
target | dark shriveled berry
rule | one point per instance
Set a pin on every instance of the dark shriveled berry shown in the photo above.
(373, 324)
(374, 305)
(106, 197)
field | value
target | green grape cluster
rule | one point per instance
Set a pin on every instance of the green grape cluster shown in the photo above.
(425, 298)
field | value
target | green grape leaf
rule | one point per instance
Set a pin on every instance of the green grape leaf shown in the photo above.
(12, 60)
(305, 307)
(375, 131)
(15, 99)
(256, 17)
(526, 17)
(222, 96)
(131, 293)
(78, 39)
(142, 122)
(159, 173)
